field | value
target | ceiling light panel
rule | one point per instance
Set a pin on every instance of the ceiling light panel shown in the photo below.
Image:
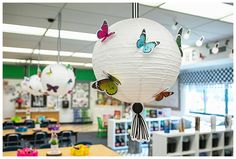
(213, 10)
(21, 29)
(17, 50)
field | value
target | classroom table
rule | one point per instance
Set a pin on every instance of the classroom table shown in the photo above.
(53, 120)
(95, 150)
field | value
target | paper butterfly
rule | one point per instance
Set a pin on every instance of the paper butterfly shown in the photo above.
(103, 33)
(30, 87)
(49, 73)
(70, 81)
(69, 92)
(26, 79)
(160, 96)
(69, 67)
(147, 47)
(178, 40)
(54, 88)
(107, 85)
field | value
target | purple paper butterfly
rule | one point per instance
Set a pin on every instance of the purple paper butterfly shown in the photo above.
(54, 88)
(103, 33)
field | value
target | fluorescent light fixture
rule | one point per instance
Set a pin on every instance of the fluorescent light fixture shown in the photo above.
(88, 65)
(53, 52)
(17, 50)
(21, 29)
(82, 55)
(72, 35)
(13, 60)
(6, 60)
(229, 19)
(212, 10)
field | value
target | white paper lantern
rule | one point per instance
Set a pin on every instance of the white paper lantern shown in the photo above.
(25, 84)
(141, 75)
(57, 79)
(35, 86)
(141, 72)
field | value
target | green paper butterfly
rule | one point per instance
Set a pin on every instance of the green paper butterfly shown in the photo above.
(69, 67)
(108, 85)
(178, 40)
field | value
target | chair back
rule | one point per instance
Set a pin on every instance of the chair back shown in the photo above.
(8, 125)
(45, 123)
(13, 139)
(40, 137)
(11, 148)
(100, 126)
(29, 123)
(65, 138)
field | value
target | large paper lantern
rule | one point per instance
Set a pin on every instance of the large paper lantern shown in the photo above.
(58, 79)
(144, 58)
(35, 86)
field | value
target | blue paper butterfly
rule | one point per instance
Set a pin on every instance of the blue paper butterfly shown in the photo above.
(147, 47)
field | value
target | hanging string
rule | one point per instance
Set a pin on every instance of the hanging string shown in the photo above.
(135, 10)
(38, 69)
(59, 37)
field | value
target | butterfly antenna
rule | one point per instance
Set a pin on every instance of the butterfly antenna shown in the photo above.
(139, 131)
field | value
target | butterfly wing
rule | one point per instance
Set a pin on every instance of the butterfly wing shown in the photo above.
(142, 39)
(148, 47)
(94, 85)
(167, 94)
(108, 86)
(49, 87)
(104, 31)
(55, 88)
(159, 97)
(114, 79)
(178, 40)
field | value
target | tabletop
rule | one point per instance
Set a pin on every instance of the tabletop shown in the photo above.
(95, 150)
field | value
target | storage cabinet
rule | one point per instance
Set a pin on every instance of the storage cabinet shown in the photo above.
(190, 143)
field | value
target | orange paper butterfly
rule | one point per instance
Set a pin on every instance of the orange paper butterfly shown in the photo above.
(163, 94)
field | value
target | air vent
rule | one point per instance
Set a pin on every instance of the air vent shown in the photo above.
(221, 49)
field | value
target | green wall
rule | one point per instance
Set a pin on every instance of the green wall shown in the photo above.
(19, 71)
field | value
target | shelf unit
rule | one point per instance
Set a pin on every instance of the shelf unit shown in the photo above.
(154, 124)
(221, 139)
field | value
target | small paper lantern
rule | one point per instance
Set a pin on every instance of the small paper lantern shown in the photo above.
(141, 72)
(58, 79)
(35, 86)
(25, 84)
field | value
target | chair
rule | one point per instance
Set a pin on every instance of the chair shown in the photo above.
(65, 138)
(45, 123)
(12, 148)
(8, 125)
(13, 139)
(29, 123)
(44, 146)
(102, 131)
(40, 138)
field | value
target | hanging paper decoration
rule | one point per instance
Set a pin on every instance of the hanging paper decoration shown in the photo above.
(25, 84)
(58, 79)
(107, 85)
(178, 40)
(141, 76)
(35, 86)
(103, 33)
(162, 95)
(146, 47)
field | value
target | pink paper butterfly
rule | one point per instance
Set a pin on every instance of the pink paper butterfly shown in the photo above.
(103, 33)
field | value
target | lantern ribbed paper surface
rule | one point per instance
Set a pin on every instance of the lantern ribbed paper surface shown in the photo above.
(35, 85)
(57, 79)
(141, 75)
